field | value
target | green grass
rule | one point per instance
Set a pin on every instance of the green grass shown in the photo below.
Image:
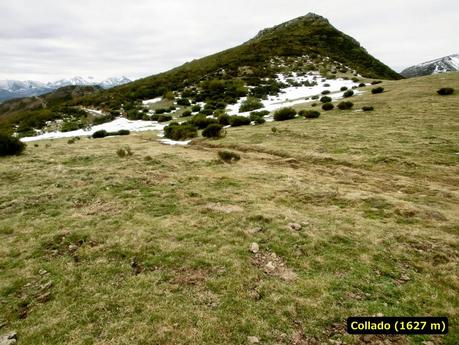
(155, 250)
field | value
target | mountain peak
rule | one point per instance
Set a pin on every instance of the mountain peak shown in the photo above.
(444, 64)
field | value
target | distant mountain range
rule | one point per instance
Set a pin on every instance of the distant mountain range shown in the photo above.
(445, 64)
(11, 89)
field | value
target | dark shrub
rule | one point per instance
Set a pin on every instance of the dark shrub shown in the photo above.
(161, 118)
(309, 114)
(284, 114)
(123, 132)
(100, 134)
(355, 80)
(345, 105)
(202, 121)
(328, 106)
(445, 91)
(207, 112)
(183, 102)
(186, 113)
(160, 111)
(348, 93)
(228, 156)
(362, 85)
(344, 88)
(262, 113)
(326, 99)
(375, 82)
(212, 131)
(315, 97)
(10, 146)
(377, 90)
(124, 152)
(224, 120)
(314, 105)
(180, 132)
(368, 108)
(196, 108)
(236, 121)
(251, 103)
(325, 92)
(326, 85)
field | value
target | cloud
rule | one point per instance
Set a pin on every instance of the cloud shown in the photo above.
(51, 39)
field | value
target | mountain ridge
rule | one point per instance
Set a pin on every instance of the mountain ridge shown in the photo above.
(449, 63)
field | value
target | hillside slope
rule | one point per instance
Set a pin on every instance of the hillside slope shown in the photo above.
(354, 213)
(445, 64)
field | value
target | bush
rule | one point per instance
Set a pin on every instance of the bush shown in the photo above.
(224, 120)
(196, 108)
(161, 118)
(186, 113)
(123, 152)
(258, 116)
(183, 102)
(160, 111)
(345, 105)
(180, 132)
(348, 93)
(328, 106)
(377, 90)
(445, 91)
(368, 108)
(100, 134)
(262, 113)
(315, 97)
(326, 99)
(201, 121)
(212, 131)
(10, 146)
(123, 132)
(284, 114)
(375, 82)
(236, 121)
(326, 92)
(362, 85)
(251, 103)
(228, 156)
(344, 88)
(309, 114)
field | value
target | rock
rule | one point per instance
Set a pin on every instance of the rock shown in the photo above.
(404, 277)
(254, 248)
(255, 230)
(73, 247)
(295, 226)
(253, 340)
(8, 339)
(428, 342)
(46, 286)
(270, 266)
(43, 298)
(380, 315)
(42, 272)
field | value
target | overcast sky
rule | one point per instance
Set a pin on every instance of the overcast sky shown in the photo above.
(51, 39)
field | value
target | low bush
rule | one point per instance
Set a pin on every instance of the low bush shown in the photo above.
(261, 113)
(328, 106)
(362, 85)
(10, 146)
(186, 113)
(375, 82)
(251, 103)
(348, 93)
(182, 131)
(228, 156)
(326, 99)
(161, 118)
(343, 88)
(100, 134)
(309, 114)
(224, 119)
(377, 90)
(236, 121)
(124, 152)
(326, 92)
(284, 114)
(213, 131)
(160, 111)
(345, 105)
(183, 102)
(201, 121)
(315, 97)
(445, 91)
(196, 108)
(123, 132)
(368, 108)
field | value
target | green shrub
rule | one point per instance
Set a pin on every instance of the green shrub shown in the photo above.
(100, 134)
(123, 132)
(161, 118)
(261, 113)
(10, 146)
(212, 131)
(345, 105)
(124, 152)
(196, 108)
(315, 97)
(326, 99)
(224, 120)
(355, 80)
(284, 114)
(309, 114)
(201, 121)
(251, 103)
(377, 90)
(328, 106)
(368, 108)
(375, 82)
(183, 102)
(236, 121)
(228, 156)
(160, 111)
(344, 88)
(326, 92)
(445, 91)
(362, 85)
(348, 93)
(186, 113)
(182, 131)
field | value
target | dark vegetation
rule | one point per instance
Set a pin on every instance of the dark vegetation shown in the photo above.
(10, 146)
(103, 133)
(328, 106)
(182, 131)
(445, 91)
(228, 156)
(213, 131)
(377, 90)
(284, 114)
(309, 114)
(345, 105)
(368, 108)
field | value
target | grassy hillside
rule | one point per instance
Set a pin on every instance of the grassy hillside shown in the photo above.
(154, 247)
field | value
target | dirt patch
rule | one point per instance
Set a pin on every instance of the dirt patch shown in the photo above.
(224, 208)
(189, 277)
(273, 265)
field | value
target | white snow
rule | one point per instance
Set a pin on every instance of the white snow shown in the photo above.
(151, 101)
(113, 126)
(99, 112)
(174, 142)
(291, 96)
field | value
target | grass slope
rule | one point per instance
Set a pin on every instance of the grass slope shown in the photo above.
(97, 249)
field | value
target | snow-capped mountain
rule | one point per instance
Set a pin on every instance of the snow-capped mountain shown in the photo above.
(442, 65)
(10, 89)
